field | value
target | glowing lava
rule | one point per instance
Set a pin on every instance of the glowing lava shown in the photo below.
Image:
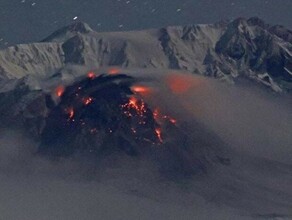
(70, 112)
(59, 90)
(87, 101)
(141, 89)
(113, 71)
(135, 108)
(156, 114)
(158, 134)
(137, 105)
(133, 101)
(158, 117)
(91, 75)
(172, 120)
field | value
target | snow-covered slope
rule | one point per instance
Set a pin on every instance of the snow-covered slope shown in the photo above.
(26, 59)
(243, 47)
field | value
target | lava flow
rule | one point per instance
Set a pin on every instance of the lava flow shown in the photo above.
(59, 90)
(87, 101)
(140, 109)
(70, 112)
(135, 104)
(158, 117)
(158, 133)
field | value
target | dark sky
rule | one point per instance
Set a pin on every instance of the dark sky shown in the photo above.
(31, 20)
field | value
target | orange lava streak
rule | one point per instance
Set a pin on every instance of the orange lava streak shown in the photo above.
(59, 90)
(140, 89)
(133, 102)
(70, 112)
(87, 101)
(158, 133)
(137, 105)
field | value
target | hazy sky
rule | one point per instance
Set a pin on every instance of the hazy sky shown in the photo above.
(31, 20)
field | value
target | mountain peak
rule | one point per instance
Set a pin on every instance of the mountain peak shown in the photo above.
(252, 21)
(256, 21)
(244, 47)
(238, 21)
(80, 27)
(69, 31)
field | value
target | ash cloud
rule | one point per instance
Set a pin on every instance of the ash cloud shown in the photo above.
(247, 116)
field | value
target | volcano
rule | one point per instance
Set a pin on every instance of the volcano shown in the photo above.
(133, 106)
(96, 113)
(103, 114)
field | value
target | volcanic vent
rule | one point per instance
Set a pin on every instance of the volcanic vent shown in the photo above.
(100, 113)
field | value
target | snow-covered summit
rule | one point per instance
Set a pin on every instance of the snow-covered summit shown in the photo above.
(240, 48)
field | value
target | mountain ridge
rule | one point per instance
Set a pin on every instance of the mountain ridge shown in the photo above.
(227, 50)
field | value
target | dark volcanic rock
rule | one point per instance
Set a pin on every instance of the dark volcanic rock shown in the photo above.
(96, 114)
(73, 50)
